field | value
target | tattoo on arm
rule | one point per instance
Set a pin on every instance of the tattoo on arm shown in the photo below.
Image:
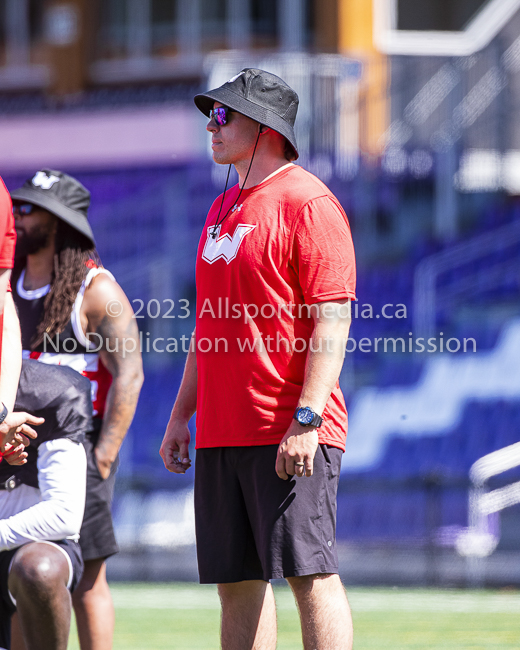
(121, 356)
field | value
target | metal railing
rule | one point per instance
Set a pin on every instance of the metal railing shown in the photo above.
(482, 536)
(426, 300)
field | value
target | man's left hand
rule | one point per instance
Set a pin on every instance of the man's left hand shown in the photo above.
(16, 455)
(296, 451)
(104, 464)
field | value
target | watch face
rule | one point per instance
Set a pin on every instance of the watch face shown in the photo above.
(305, 415)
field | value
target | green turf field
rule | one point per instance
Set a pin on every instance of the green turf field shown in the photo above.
(186, 617)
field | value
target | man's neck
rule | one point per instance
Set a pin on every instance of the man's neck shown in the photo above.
(38, 269)
(262, 168)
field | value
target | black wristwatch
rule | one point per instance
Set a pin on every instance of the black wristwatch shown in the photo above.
(4, 413)
(305, 416)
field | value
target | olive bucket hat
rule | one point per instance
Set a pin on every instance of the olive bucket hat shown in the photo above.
(61, 195)
(260, 95)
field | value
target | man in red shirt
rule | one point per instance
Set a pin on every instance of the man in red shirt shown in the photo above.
(275, 275)
(11, 424)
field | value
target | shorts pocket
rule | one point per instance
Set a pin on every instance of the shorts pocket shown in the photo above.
(92, 466)
(325, 452)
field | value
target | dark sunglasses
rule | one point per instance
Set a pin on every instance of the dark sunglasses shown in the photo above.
(23, 209)
(220, 114)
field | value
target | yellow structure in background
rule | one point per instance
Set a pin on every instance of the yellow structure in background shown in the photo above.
(67, 37)
(355, 39)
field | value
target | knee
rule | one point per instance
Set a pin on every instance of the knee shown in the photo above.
(37, 570)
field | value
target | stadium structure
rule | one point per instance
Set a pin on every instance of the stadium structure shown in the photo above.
(409, 112)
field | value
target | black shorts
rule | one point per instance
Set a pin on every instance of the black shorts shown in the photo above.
(97, 538)
(7, 604)
(252, 525)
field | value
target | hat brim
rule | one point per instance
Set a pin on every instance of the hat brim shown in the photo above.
(75, 219)
(204, 103)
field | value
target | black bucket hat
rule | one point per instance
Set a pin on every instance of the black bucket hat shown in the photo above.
(260, 95)
(61, 195)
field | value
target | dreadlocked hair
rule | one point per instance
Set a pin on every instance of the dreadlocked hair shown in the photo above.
(73, 259)
(288, 151)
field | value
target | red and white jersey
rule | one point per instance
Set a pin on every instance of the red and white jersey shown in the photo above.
(71, 347)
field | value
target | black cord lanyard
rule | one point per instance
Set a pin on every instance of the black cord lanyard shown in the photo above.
(219, 221)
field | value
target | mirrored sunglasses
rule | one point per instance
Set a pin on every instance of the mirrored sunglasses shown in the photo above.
(220, 114)
(23, 209)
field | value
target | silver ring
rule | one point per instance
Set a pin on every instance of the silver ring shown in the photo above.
(299, 464)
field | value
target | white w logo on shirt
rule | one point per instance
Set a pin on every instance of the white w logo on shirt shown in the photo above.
(45, 182)
(225, 246)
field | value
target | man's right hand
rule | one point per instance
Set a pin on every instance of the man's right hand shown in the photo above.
(15, 428)
(175, 446)
(16, 455)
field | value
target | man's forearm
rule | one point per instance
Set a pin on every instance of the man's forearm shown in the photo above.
(120, 408)
(5, 275)
(175, 450)
(186, 402)
(325, 356)
(324, 363)
(11, 354)
(125, 365)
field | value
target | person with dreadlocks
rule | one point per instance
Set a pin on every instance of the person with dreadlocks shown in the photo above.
(73, 313)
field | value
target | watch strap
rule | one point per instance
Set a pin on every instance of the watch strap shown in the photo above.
(3, 413)
(317, 421)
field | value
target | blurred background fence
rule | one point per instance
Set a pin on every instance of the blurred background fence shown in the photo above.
(410, 112)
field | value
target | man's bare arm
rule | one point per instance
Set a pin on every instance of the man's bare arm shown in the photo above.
(5, 275)
(175, 445)
(323, 367)
(11, 354)
(121, 355)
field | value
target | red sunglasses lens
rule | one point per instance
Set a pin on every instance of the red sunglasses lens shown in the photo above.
(219, 115)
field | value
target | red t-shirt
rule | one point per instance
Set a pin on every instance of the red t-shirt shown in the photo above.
(287, 242)
(7, 242)
(7, 231)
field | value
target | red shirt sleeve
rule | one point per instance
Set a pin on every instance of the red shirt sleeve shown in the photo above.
(7, 231)
(323, 252)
